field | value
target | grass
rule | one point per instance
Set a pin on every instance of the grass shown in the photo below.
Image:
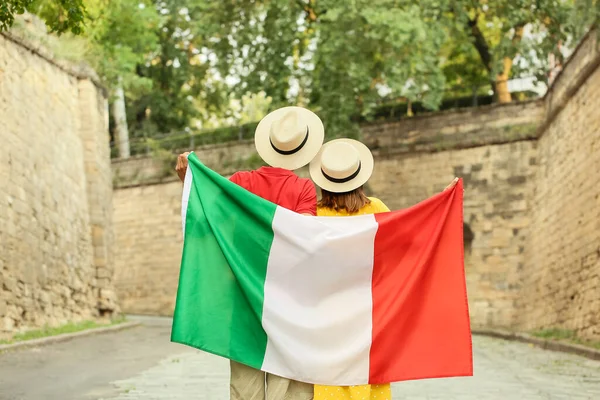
(564, 335)
(70, 327)
(555, 334)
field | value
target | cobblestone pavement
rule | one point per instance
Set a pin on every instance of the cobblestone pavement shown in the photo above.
(503, 370)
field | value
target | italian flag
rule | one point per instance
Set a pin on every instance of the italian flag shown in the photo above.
(325, 300)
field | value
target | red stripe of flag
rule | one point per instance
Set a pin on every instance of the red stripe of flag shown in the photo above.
(420, 312)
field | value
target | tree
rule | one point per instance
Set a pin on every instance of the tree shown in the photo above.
(585, 13)
(501, 30)
(464, 72)
(250, 108)
(179, 64)
(60, 15)
(121, 34)
(336, 57)
(372, 49)
(180, 71)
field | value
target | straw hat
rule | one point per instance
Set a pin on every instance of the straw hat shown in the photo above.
(342, 165)
(289, 137)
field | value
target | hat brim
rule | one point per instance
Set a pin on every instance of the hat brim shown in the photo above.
(301, 157)
(366, 169)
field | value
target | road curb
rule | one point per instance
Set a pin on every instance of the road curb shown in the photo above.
(67, 336)
(548, 344)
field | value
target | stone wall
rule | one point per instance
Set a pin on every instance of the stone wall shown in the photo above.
(461, 128)
(149, 239)
(496, 163)
(226, 157)
(55, 193)
(498, 180)
(434, 132)
(561, 281)
(532, 203)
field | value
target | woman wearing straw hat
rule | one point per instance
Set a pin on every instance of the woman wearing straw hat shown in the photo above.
(341, 169)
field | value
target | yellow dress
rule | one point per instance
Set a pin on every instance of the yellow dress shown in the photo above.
(360, 392)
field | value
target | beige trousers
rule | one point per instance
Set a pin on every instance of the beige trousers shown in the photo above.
(249, 384)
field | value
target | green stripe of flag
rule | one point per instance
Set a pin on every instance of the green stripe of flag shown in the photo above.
(222, 277)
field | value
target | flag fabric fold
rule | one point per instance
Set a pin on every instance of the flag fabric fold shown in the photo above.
(326, 300)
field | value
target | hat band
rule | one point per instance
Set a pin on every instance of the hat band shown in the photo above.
(342, 180)
(295, 150)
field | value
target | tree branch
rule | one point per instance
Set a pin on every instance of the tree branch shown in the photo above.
(480, 43)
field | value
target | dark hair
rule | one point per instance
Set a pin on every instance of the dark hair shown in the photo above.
(350, 201)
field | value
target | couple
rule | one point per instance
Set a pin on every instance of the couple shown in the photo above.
(288, 139)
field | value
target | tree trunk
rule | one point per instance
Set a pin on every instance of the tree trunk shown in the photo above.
(120, 119)
(480, 43)
(502, 92)
(501, 86)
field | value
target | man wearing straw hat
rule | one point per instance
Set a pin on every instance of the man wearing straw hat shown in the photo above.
(286, 139)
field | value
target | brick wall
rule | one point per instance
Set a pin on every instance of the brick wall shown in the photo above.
(53, 130)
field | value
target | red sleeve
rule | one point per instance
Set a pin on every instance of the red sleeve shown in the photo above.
(307, 203)
(236, 178)
(242, 178)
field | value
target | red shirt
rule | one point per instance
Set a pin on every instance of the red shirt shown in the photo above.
(280, 186)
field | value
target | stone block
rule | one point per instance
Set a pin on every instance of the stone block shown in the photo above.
(9, 283)
(7, 324)
(104, 273)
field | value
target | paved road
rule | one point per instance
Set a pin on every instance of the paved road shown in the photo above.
(140, 364)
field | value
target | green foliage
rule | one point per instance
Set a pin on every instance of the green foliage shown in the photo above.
(343, 59)
(463, 68)
(251, 108)
(584, 14)
(333, 56)
(527, 31)
(184, 88)
(60, 15)
(558, 334)
(191, 64)
(122, 33)
(9, 8)
(378, 46)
